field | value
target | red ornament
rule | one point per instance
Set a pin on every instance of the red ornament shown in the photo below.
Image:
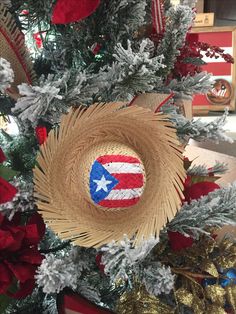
(38, 40)
(19, 255)
(96, 48)
(178, 241)
(69, 11)
(74, 303)
(25, 12)
(41, 134)
(99, 263)
(199, 189)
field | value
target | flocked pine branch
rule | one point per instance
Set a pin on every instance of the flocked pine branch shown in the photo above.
(200, 83)
(125, 17)
(56, 273)
(39, 101)
(50, 305)
(203, 170)
(199, 130)
(121, 261)
(179, 20)
(67, 48)
(6, 75)
(89, 291)
(158, 279)
(133, 71)
(216, 209)
(32, 304)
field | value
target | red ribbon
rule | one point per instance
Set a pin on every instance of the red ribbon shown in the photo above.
(158, 19)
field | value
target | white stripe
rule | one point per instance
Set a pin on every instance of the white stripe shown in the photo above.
(124, 194)
(210, 60)
(157, 15)
(123, 167)
(226, 77)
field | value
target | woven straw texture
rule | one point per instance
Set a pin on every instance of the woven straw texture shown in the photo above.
(150, 100)
(60, 178)
(13, 49)
(108, 149)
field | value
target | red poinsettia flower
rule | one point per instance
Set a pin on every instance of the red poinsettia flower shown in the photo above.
(7, 191)
(19, 255)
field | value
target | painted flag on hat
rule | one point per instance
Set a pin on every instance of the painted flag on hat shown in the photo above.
(116, 181)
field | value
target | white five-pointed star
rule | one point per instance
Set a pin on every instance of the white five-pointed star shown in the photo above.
(102, 184)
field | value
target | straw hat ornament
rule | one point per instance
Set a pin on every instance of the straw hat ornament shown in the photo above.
(107, 172)
(13, 49)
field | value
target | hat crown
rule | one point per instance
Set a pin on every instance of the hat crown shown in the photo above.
(116, 181)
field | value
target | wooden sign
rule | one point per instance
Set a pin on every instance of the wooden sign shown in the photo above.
(204, 20)
(225, 38)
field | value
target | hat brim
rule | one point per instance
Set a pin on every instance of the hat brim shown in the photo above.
(60, 193)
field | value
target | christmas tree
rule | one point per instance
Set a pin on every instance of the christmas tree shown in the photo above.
(100, 212)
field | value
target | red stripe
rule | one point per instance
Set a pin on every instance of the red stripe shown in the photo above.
(157, 16)
(118, 203)
(128, 180)
(17, 54)
(220, 39)
(200, 100)
(218, 68)
(164, 101)
(131, 103)
(117, 158)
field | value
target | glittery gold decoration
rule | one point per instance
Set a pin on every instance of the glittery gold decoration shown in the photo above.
(231, 296)
(227, 254)
(191, 300)
(209, 268)
(202, 261)
(185, 297)
(214, 309)
(138, 301)
(216, 294)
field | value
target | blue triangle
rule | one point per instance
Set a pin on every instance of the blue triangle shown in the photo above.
(97, 172)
